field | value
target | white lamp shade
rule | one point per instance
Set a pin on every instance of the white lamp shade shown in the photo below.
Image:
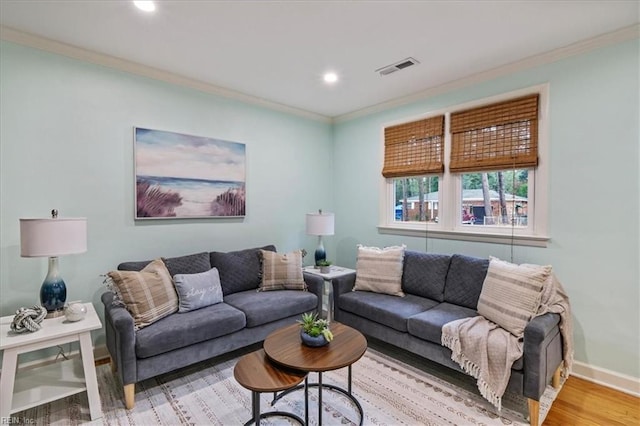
(320, 223)
(52, 237)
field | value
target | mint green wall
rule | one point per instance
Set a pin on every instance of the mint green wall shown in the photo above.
(67, 142)
(593, 193)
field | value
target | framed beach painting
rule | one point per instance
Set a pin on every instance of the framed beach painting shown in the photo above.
(183, 176)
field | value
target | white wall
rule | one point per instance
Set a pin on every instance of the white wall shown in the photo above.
(593, 194)
(67, 143)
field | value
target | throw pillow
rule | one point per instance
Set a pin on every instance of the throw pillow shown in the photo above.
(196, 291)
(148, 295)
(510, 294)
(239, 270)
(282, 271)
(380, 270)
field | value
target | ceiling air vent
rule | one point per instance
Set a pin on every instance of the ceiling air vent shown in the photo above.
(405, 63)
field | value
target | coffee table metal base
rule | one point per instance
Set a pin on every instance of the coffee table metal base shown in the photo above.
(255, 372)
(322, 387)
(255, 407)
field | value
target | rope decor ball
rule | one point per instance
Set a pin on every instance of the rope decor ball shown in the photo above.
(28, 319)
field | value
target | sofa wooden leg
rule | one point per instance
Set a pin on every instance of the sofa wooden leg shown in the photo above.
(114, 366)
(534, 412)
(555, 381)
(129, 395)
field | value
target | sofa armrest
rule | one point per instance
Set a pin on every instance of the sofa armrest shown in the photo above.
(542, 353)
(315, 285)
(540, 327)
(121, 338)
(343, 284)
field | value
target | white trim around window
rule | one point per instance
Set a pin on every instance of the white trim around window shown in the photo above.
(449, 199)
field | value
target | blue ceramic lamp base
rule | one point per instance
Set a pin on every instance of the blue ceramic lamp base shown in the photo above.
(53, 293)
(320, 253)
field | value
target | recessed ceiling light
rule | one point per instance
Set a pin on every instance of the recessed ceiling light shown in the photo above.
(330, 77)
(147, 6)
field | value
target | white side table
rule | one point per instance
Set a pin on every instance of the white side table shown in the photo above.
(41, 385)
(335, 272)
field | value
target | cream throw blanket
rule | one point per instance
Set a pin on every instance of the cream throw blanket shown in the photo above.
(487, 352)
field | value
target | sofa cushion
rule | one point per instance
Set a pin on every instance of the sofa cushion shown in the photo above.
(239, 270)
(464, 280)
(428, 325)
(189, 264)
(380, 270)
(181, 330)
(384, 309)
(511, 294)
(282, 271)
(148, 294)
(424, 274)
(196, 291)
(264, 307)
(134, 265)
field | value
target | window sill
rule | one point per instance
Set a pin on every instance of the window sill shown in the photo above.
(464, 235)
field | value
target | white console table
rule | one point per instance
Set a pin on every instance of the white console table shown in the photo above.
(20, 390)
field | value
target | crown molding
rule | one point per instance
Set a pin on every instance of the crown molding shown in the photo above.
(603, 40)
(52, 46)
(41, 43)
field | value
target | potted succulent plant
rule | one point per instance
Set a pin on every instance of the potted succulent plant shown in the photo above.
(314, 331)
(325, 266)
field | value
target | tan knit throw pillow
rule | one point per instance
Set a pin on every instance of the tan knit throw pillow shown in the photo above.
(148, 295)
(511, 294)
(380, 270)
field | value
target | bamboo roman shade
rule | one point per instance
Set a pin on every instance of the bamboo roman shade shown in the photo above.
(497, 136)
(416, 148)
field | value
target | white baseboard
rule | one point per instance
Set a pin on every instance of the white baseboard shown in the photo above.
(100, 353)
(608, 378)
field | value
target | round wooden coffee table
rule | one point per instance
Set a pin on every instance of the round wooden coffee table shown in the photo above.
(284, 347)
(255, 372)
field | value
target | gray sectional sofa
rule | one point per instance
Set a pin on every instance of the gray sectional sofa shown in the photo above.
(439, 289)
(245, 317)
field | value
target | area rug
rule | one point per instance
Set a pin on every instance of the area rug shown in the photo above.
(392, 391)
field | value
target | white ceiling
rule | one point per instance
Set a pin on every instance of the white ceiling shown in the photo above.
(278, 50)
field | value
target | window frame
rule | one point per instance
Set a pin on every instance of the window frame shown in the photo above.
(450, 226)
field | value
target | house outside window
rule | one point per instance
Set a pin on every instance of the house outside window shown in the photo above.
(488, 186)
(498, 198)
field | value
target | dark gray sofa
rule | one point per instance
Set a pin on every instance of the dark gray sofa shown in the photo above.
(245, 317)
(439, 289)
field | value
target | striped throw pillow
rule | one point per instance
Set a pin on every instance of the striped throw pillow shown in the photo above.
(511, 294)
(380, 270)
(148, 295)
(282, 271)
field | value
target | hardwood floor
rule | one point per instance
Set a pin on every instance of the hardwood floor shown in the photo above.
(581, 402)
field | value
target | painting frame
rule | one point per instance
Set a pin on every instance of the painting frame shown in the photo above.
(181, 176)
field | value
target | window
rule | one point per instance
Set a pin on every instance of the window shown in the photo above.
(484, 161)
(416, 199)
(499, 198)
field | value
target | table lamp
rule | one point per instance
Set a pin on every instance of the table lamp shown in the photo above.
(53, 238)
(320, 224)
